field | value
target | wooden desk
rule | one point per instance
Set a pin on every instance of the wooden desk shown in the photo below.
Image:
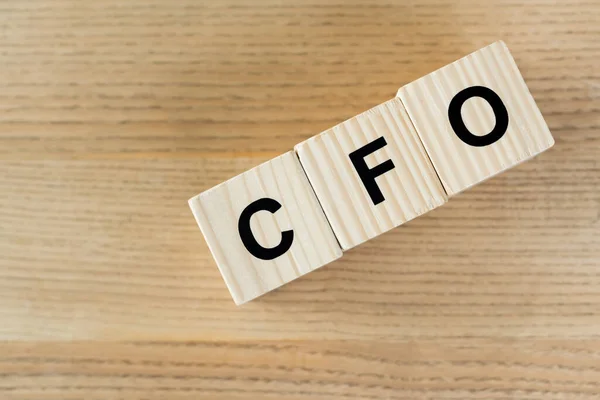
(114, 113)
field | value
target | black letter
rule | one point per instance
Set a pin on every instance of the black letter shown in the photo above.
(458, 124)
(248, 239)
(367, 175)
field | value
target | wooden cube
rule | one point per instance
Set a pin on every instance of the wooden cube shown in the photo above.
(476, 117)
(371, 173)
(265, 227)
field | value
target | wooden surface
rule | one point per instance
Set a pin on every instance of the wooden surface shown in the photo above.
(114, 113)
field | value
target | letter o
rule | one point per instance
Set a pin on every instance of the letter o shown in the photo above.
(458, 125)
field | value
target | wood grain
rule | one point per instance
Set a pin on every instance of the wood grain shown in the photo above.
(499, 369)
(113, 114)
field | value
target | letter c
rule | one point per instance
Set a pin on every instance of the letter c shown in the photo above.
(248, 239)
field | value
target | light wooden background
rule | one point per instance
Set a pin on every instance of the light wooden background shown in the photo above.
(113, 113)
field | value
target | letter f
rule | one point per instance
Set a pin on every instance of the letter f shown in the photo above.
(367, 175)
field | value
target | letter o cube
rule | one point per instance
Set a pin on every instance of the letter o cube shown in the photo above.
(371, 173)
(265, 227)
(476, 117)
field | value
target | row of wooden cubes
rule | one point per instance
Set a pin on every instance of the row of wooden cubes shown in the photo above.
(440, 135)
